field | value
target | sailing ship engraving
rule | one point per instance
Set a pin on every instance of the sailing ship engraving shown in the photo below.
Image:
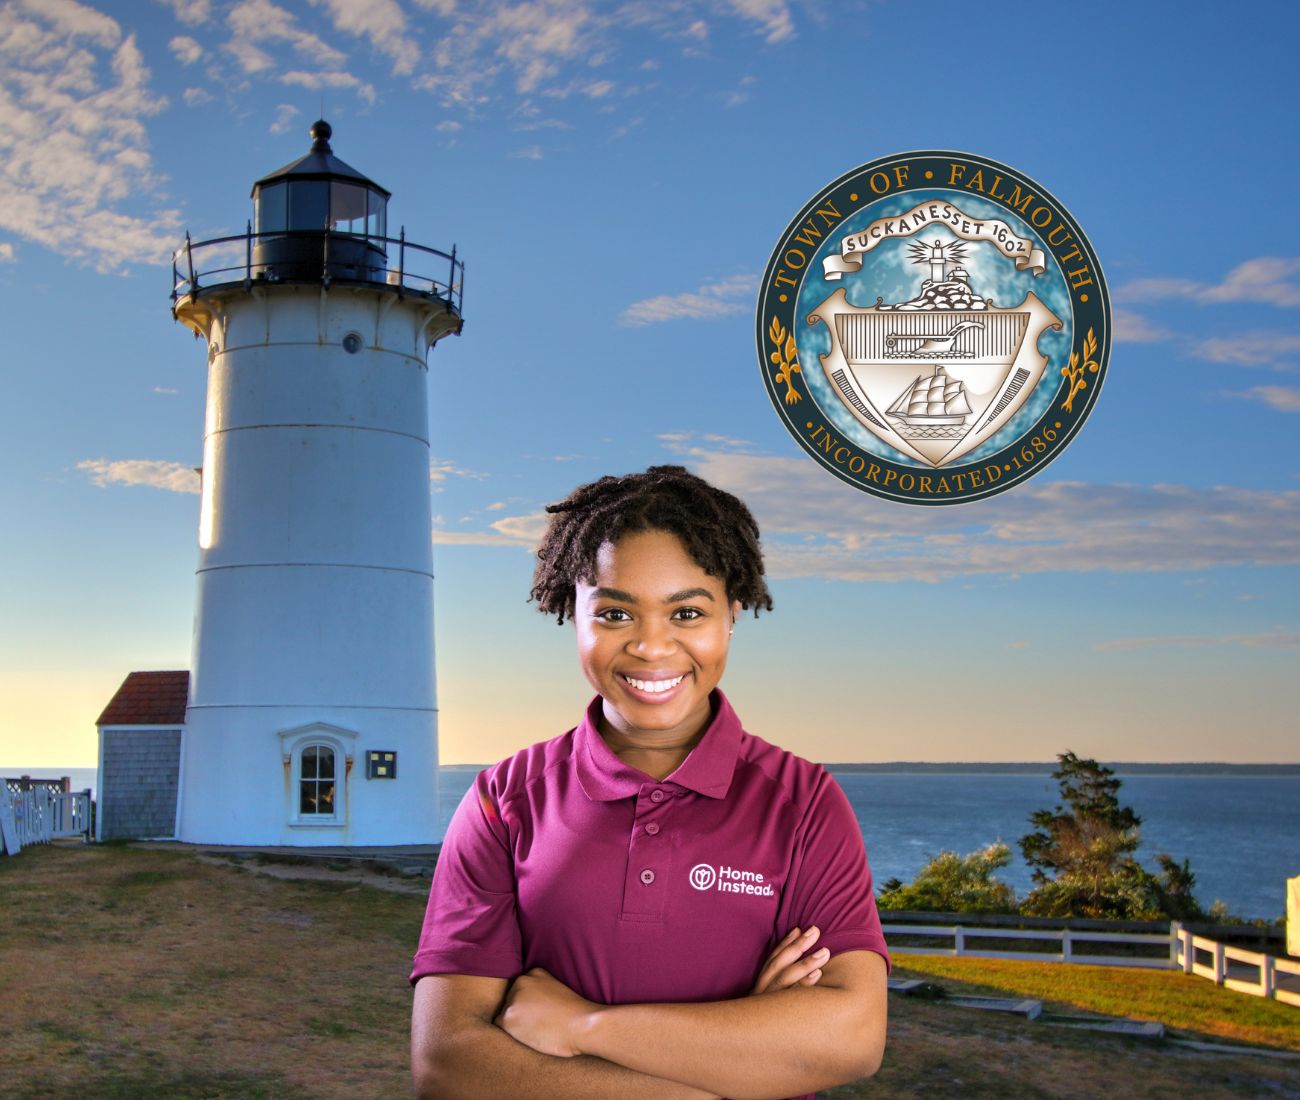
(936, 375)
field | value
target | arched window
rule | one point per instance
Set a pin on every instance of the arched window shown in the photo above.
(317, 765)
(317, 782)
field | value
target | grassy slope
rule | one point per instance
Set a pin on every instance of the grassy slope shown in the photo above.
(131, 973)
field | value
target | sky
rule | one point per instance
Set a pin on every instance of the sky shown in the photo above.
(615, 176)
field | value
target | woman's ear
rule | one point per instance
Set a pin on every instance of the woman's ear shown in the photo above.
(735, 614)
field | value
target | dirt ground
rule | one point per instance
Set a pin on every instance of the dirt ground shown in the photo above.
(134, 973)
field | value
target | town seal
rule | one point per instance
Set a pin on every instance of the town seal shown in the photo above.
(933, 327)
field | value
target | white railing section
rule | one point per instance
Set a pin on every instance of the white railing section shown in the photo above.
(40, 815)
(1236, 968)
(1067, 938)
(1253, 972)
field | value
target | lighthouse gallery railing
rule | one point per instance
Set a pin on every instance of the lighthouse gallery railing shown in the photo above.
(224, 261)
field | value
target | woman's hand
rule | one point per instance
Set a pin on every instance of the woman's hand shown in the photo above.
(784, 966)
(543, 1013)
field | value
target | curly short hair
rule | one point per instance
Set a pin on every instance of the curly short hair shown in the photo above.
(716, 528)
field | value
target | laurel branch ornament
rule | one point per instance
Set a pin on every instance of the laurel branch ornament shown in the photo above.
(1075, 372)
(785, 358)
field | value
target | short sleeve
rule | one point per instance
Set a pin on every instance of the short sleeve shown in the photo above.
(471, 925)
(829, 884)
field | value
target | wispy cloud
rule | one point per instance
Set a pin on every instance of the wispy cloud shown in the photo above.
(191, 12)
(531, 152)
(285, 113)
(1133, 328)
(1271, 279)
(1251, 349)
(522, 531)
(1284, 399)
(175, 477)
(382, 22)
(816, 527)
(440, 469)
(194, 97)
(772, 16)
(76, 175)
(1276, 639)
(169, 391)
(186, 49)
(720, 299)
(7, 253)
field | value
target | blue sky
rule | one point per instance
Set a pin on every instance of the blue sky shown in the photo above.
(615, 176)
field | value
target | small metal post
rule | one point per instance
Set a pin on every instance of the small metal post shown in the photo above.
(401, 259)
(189, 256)
(325, 257)
(451, 279)
(248, 254)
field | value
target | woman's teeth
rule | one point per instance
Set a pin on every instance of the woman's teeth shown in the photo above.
(655, 686)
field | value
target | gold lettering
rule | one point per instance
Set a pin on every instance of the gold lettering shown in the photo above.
(795, 252)
(861, 464)
(943, 485)
(1047, 217)
(883, 185)
(925, 483)
(890, 475)
(782, 279)
(958, 170)
(900, 174)
(993, 473)
(976, 181)
(873, 472)
(1018, 203)
(1079, 277)
(907, 482)
(976, 482)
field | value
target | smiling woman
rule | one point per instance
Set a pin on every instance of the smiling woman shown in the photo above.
(631, 909)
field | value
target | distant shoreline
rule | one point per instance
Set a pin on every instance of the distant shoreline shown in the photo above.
(1045, 768)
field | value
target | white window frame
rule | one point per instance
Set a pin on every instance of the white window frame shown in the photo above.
(343, 743)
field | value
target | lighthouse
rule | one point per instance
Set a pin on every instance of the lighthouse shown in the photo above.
(311, 715)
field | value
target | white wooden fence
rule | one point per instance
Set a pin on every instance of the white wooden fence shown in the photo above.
(1253, 972)
(39, 815)
(1067, 938)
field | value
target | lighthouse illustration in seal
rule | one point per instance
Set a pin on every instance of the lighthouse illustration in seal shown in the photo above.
(311, 716)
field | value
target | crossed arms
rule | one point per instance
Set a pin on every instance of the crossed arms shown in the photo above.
(808, 1024)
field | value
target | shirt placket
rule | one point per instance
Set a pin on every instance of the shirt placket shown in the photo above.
(645, 886)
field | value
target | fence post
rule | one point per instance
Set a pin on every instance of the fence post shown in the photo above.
(1189, 952)
(1267, 976)
(1067, 946)
(1220, 963)
(959, 940)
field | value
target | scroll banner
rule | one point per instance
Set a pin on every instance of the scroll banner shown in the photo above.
(927, 215)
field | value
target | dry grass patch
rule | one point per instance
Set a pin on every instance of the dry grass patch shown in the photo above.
(1177, 1000)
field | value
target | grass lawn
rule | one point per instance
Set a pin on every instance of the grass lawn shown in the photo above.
(137, 973)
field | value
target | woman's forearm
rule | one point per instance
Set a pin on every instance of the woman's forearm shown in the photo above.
(754, 1048)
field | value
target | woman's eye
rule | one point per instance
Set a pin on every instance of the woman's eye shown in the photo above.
(688, 613)
(614, 615)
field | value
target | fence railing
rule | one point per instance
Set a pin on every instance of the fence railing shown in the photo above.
(1159, 947)
(222, 261)
(1253, 972)
(39, 815)
(1178, 948)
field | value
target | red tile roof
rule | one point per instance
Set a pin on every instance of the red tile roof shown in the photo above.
(148, 699)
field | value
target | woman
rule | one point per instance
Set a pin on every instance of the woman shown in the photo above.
(631, 909)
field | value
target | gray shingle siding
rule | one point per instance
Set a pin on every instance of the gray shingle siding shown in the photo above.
(137, 789)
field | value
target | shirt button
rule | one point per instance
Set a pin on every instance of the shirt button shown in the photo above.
(647, 877)
(652, 828)
(657, 796)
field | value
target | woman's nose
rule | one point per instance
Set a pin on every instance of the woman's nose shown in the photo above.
(652, 640)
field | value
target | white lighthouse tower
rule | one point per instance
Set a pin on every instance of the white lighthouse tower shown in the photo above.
(311, 717)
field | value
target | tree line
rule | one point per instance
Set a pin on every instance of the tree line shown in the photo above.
(1083, 855)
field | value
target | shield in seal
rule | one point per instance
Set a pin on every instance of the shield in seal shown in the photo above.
(933, 327)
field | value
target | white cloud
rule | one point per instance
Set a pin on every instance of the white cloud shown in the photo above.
(76, 175)
(447, 126)
(1281, 398)
(285, 113)
(1251, 349)
(1276, 639)
(329, 79)
(814, 526)
(772, 16)
(720, 299)
(191, 12)
(440, 469)
(522, 531)
(1271, 279)
(380, 21)
(1133, 328)
(531, 152)
(187, 50)
(168, 390)
(175, 477)
(195, 97)
(7, 253)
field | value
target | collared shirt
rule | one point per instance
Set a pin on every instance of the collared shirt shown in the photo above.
(630, 889)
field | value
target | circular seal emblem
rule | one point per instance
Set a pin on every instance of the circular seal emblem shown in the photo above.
(933, 327)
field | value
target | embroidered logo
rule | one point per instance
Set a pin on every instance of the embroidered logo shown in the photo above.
(933, 328)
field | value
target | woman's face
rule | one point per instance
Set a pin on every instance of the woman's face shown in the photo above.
(653, 630)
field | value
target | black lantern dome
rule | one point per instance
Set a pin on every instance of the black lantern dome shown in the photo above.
(315, 196)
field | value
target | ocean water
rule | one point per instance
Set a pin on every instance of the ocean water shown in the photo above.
(1241, 833)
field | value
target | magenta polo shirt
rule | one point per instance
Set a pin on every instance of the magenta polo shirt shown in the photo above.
(629, 889)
